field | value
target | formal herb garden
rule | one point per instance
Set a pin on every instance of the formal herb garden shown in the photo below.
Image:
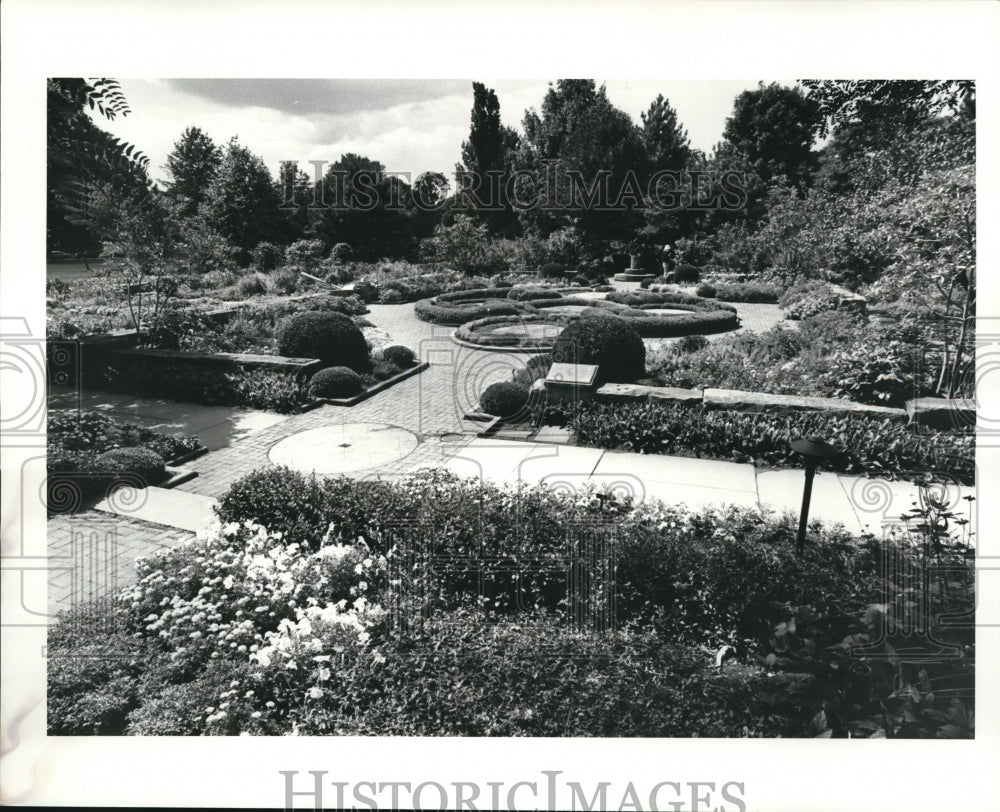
(835, 299)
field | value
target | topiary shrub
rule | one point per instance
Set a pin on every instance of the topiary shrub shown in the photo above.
(503, 399)
(686, 274)
(530, 294)
(605, 340)
(399, 355)
(706, 291)
(144, 463)
(331, 337)
(692, 343)
(551, 270)
(335, 382)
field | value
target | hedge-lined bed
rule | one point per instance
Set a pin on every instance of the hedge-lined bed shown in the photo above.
(871, 445)
(482, 332)
(459, 307)
(210, 641)
(88, 453)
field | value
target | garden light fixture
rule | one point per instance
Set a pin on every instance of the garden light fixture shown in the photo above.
(814, 449)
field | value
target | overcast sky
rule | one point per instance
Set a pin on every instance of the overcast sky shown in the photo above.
(409, 125)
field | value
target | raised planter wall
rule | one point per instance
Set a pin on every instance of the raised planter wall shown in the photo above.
(225, 360)
(737, 400)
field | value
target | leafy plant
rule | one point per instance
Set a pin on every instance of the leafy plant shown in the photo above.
(871, 445)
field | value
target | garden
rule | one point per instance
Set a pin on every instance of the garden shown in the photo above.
(836, 301)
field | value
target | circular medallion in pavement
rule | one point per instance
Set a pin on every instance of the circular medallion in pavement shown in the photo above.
(340, 449)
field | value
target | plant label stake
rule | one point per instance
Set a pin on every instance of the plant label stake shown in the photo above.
(814, 449)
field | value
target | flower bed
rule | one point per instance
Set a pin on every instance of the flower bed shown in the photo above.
(286, 629)
(89, 453)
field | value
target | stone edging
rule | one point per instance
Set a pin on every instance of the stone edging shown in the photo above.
(737, 400)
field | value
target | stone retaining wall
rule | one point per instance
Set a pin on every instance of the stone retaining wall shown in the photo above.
(737, 400)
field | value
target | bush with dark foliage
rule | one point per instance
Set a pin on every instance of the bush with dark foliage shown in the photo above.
(335, 382)
(331, 337)
(607, 341)
(504, 398)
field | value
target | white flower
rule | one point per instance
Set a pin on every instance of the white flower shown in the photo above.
(315, 693)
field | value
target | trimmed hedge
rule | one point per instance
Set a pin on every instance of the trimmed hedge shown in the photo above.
(331, 337)
(458, 307)
(473, 331)
(605, 340)
(533, 293)
(503, 399)
(399, 355)
(748, 292)
(335, 382)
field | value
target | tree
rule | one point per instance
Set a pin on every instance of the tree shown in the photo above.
(892, 130)
(242, 202)
(191, 167)
(85, 163)
(597, 155)
(487, 156)
(296, 191)
(666, 141)
(365, 208)
(774, 127)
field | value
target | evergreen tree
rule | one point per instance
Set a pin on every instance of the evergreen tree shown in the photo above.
(666, 140)
(191, 167)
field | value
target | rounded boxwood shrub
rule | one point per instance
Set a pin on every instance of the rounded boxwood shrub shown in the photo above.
(504, 398)
(142, 462)
(530, 294)
(335, 382)
(399, 355)
(706, 291)
(605, 340)
(331, 337)
(551, 270)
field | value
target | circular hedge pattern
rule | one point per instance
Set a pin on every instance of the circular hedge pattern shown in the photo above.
(331, 337)
(536, 333)
(461, 306)
(700, 316)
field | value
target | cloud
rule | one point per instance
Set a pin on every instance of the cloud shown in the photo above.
(320, 96)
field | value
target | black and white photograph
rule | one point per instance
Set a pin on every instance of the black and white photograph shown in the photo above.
(517, 410)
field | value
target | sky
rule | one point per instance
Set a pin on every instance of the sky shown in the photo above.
(409, 125)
